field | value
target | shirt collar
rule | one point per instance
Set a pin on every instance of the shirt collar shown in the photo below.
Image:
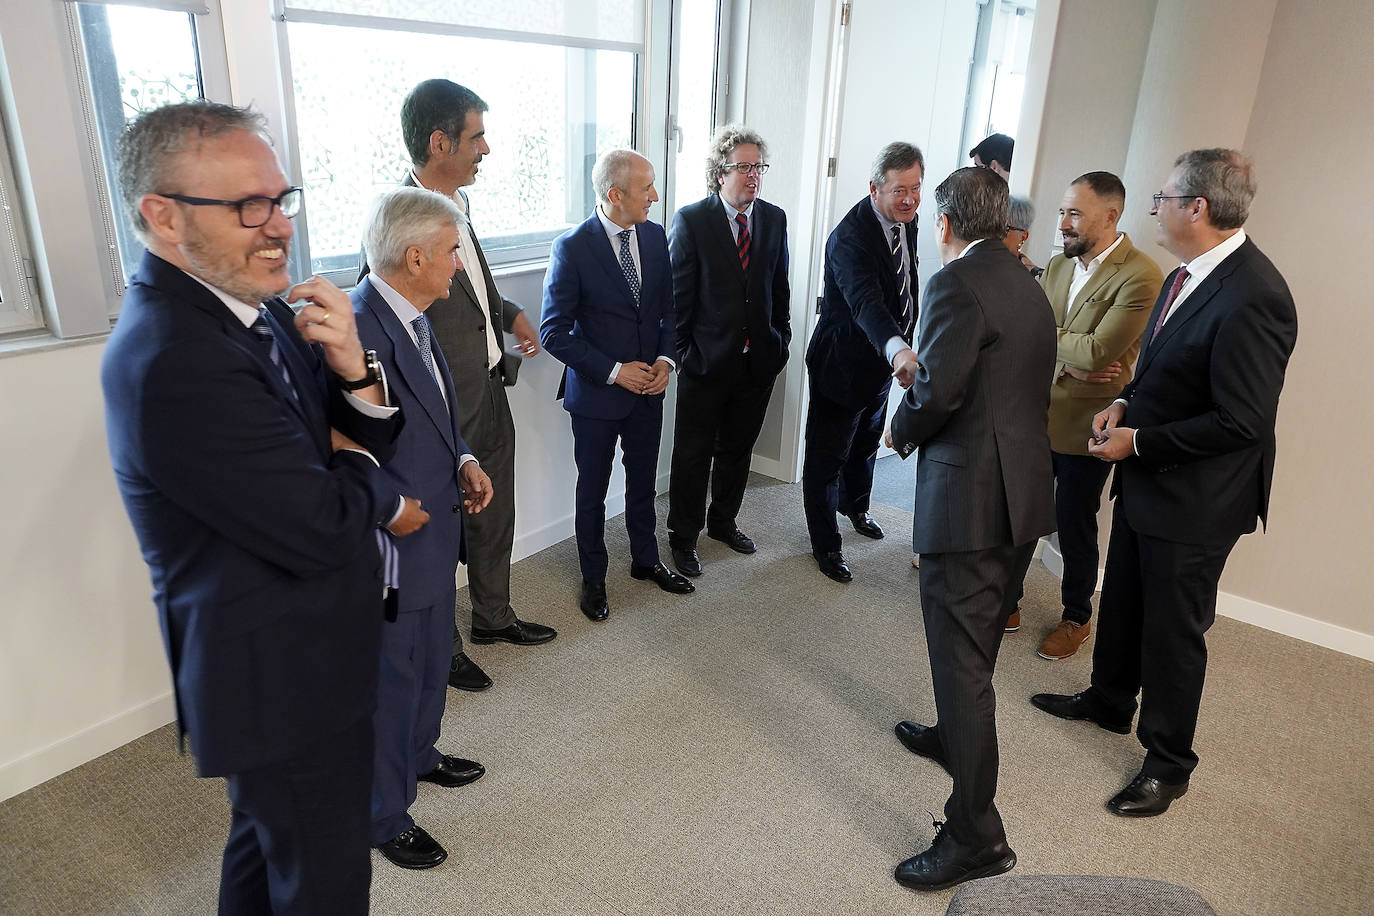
(1097, 261)
(969, 247)
(242, 310)
(457, 196)
(612, 230)
(886, 223)
(403, 307)
(1205, 263)
(731, 212)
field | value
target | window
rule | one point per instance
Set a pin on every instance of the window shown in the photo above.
(558, 98)
(18, 301)
(997, 77)
(695, 55)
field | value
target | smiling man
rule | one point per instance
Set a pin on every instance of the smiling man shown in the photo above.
(733, 305)
(608, 316)
(240, 436)
(861, 343)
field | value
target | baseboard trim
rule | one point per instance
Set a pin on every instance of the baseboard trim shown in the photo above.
(39, 766)
(1266, 617)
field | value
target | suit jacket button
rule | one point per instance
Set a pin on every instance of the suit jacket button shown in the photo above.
(481, 327)
(457, 508)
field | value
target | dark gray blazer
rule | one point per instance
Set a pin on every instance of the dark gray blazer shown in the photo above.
(979, 408)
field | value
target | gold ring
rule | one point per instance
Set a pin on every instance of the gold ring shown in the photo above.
(325, 318)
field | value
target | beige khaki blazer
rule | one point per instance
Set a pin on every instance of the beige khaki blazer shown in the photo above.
(1103, 326)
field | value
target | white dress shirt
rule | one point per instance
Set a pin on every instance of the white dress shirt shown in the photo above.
(613, 234)
(1082, 274)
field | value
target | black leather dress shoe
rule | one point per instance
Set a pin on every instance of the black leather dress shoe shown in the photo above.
(922, 740)
(687, 561)
(1146, 797)
(865, 525)
(663, 577)
(413, 848)
(592, 601)
(947, 863)
(522, 633)
(735, 539)
(464, 674)
(453, 772)
(834, 566)
(1079, 706)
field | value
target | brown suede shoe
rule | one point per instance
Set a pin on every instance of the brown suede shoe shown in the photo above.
(1013, 622)
(1064, 640)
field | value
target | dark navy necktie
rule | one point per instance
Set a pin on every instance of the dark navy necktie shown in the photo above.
(627, 263)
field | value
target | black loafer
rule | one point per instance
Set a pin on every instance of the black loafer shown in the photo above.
(924, 741)
(947, 863)
(735, 539)
(592, 601)
(413, 848)
(522, 633)
(865, 525)
(687, 561)
(834, 566)
(663, 577)
(453, 772)
(1146, 797)
(1079, 706)
(464, 674)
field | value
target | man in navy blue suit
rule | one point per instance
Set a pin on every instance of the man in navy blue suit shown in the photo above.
(861, 343)
(412, 243)
(608, 316)
(245, 441)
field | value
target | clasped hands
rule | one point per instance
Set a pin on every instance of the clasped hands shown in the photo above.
(904, 366)
(1110, 441)
(641, 378)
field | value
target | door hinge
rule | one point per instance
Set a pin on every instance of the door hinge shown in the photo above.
(844, 13)
(831, 168)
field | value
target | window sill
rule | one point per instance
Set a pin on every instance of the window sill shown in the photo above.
(40, 341)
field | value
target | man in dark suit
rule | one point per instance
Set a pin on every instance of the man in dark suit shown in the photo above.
(1193, 440)
(412, 242)
(442, 125)
(729, 254)
(608, 316)
(244, 441)
(977, 411)
(861, 342)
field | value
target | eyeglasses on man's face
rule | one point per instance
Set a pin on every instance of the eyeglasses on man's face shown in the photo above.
(746, 168)
(253, 211)
(1161, 196)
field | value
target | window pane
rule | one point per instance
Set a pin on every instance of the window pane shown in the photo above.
(553, 110)
(696, 85)
(136, 59)
(605, 20)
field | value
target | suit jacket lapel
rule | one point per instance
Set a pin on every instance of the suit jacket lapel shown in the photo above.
(411, 367)
(725, 236)
(1090, 289)
(600, 245)
(1196, 301)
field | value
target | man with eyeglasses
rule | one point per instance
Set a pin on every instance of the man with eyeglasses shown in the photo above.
(1192, 438)
(730, 288)
(1101, 288)
(245, 440)
(861, 343)
(445, 135)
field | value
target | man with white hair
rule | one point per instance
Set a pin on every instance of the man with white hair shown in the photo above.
(411, 240)
(608, 316)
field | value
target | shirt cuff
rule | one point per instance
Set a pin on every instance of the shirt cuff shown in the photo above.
(894, 346)
(615, 370)
(376, 411)
(400, 508)
(465, 458)
(363, 451)
(669, 360)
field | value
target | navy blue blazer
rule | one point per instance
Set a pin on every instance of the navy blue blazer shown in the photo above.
(590, 320)
(259, 538)
(1204, 403)
(718, 306)
(425, 466)
(860, 311)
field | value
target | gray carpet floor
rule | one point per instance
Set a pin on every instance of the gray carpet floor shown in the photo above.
(732, 752)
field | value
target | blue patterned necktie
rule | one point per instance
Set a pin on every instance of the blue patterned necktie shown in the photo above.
(263, 331)
(424, 344)
(903, 283)
(627, 263)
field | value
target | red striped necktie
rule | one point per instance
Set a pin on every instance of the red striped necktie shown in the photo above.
(742, 241)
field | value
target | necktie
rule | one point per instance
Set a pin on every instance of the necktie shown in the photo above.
(1179, 279)
(742, 241)
(263, 332)
(627, 264)
(903, 283)
(424, 344)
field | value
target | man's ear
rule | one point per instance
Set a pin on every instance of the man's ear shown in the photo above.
(436, 143)
(164, 218)
(415, 260)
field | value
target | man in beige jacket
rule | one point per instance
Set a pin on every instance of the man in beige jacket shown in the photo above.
(1101, 289)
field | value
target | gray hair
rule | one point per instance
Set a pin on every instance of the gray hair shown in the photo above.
(1020, 213)
(897, 156)
(1224, 178)
(722, 145)
(403, 217)
(612, 170)
(150, 144)
(975, 202)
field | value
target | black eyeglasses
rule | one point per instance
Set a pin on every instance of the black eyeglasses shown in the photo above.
(1017, 229)
(1162, 196)
(253, 211)
(745, 168)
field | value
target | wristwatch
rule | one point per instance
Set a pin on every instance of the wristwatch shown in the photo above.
(1037, 272)
(373, 376)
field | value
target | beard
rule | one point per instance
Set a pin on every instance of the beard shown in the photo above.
(1076, 246)
(232, 272)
